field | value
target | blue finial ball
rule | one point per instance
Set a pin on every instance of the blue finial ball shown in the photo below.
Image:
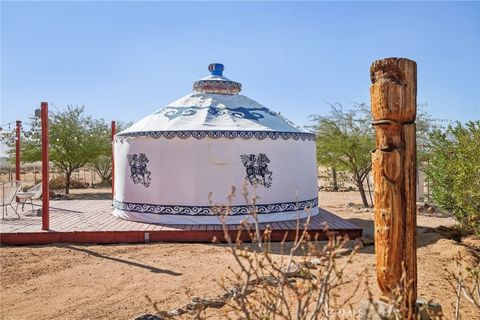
(216, 69)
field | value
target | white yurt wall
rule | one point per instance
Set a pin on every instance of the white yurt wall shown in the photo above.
(173, 163)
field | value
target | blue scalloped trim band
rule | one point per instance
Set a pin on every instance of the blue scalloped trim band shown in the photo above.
(180, 210)
(274, 135)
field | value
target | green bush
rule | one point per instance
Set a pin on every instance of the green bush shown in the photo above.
(454, 171)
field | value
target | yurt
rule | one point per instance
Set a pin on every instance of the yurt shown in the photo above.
(177, 164)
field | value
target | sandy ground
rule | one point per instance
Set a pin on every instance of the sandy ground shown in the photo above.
(121, 281)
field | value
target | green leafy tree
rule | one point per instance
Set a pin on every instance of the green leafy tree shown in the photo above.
(454, 171)
(102, 164)
(103, 167)
(425, 125)
(75, 139)
(344, 142)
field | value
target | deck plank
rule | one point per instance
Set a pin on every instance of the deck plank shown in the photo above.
(202, 227)
(92, 220)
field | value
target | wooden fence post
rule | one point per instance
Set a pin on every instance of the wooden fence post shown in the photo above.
(393, 100)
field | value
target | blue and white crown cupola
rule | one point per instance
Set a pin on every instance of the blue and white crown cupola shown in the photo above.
(173, 163)
(216, 82)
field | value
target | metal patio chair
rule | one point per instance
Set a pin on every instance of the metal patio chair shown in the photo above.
(9, 191)
(31, 194)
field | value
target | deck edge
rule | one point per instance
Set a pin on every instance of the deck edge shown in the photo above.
(191, 236)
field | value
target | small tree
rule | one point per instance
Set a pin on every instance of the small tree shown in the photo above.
(425, 125)
(344, 142)
(454, 171)
(74, 140)
(103, 167)
(329, 160)
(102, 164)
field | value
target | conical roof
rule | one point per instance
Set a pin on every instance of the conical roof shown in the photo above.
(216, 109)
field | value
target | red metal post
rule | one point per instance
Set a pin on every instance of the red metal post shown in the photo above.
(17, 152)
(45, 168)
(114, 127)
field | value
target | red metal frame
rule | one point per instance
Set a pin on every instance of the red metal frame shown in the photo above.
(45, 168)
(114, 128)
(17, 152)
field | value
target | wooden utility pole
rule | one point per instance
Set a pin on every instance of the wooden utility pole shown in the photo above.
(113, 158)
(45, 168)
(394, 105)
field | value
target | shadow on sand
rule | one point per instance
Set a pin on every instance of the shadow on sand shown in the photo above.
(425, 236)
(90, 196)
(127, 262)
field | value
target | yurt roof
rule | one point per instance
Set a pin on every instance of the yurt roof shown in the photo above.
(215, 109)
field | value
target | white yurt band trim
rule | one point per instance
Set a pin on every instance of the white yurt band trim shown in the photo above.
(274, 135)
(215, 210)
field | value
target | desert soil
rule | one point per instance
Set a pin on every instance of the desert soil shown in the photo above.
(66, 281)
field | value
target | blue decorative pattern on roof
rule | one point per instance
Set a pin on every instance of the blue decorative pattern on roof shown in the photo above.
(238, 112)
(217, 83)
(215, 210)
(260, 135)
(217, 86)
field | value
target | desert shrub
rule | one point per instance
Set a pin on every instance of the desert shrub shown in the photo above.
(297, 282)
(453, 170)
(301, 280)
(466, 284)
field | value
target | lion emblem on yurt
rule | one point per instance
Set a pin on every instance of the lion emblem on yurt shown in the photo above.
(138, 169)
(256, 167)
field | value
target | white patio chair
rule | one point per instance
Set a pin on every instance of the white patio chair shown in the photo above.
(31, 194)
(9, 190)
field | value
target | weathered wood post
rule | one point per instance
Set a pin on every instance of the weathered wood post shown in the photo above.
(393, 100)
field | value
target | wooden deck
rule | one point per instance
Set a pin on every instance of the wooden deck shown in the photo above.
(91, 221)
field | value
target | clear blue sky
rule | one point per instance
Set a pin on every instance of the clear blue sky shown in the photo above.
(124, 60)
